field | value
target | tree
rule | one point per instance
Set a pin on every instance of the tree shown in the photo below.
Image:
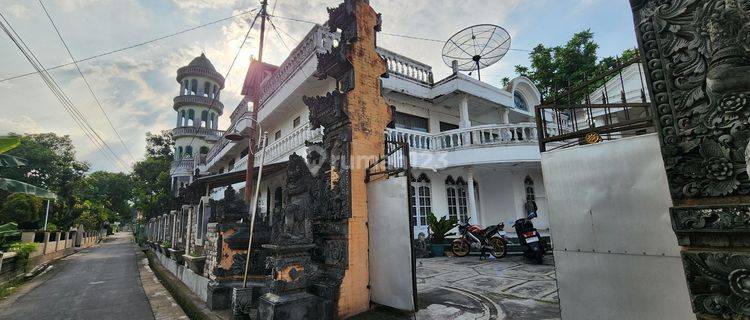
(113, 190)
(160, 145)
(151, 176)
(92, 216)
(554, 69)
(50, 164)
(24, 209)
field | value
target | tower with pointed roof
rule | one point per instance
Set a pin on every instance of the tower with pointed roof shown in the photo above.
(198, 109)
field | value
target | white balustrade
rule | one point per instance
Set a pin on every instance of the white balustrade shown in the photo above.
(406, 67)
(483, 135)
(290, 142)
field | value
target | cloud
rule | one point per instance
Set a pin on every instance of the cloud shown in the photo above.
(18, 11)
(21, 124)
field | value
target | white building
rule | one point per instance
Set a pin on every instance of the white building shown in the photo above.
(198, 109)
(474, 150)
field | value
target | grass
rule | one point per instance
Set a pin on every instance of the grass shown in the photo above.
(9, 287)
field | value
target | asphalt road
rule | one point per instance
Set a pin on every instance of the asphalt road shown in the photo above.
(101, 282)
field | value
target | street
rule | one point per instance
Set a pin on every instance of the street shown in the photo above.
(101, 282)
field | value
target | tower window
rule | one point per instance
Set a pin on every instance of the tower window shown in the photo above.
(216, 92)
(191, 117)
(206, 89)
(179, 152)
(186, 87)
(182, 118)
(204, 118)
(194, 87)
(188, 151)
(204, 150)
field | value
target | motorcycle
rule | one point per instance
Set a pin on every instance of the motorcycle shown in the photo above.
(529, 238)
(491, 238)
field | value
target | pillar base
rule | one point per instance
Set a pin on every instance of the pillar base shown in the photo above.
(294, 306)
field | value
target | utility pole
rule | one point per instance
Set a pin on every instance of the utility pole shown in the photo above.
(263, 17)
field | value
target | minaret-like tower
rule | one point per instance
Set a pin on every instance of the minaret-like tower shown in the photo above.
(198, 109)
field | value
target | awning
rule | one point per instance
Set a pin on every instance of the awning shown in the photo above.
(224, 179)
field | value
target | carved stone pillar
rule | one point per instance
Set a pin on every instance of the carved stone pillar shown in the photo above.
(696, 56)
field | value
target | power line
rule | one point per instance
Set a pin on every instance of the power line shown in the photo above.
(133, 45)
(388, 33)
(64, 100)
(98, 103)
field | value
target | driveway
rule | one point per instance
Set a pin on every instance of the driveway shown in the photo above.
(101, 282)
(470, 288)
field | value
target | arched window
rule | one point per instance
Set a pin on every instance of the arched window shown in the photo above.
(179, 152)
(206, 89)
(182, 118)
(204, 150)
(188, 151)
(457, 201)
(204, 119)
(213, 121)
(194, 87)
(185, 87)
(519, 101)
(216, 92)
(421, 199)
(191, 117)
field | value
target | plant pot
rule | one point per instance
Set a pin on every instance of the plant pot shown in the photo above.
(176, 255)
(437, 250)
(195, 263)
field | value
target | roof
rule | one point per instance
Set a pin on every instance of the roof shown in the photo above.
(256, 73)
(202, 61)
(225, 179)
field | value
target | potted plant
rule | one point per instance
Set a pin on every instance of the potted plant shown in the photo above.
(176, 255)
(165, 245)
(439, 229)
(195, 260)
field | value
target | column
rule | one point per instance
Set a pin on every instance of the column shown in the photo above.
(463, 108)
(504, 114)
(174, 228)
(471, 200)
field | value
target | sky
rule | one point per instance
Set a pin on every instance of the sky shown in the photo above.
(136, 86)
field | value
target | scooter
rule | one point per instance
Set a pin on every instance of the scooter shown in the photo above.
(529, 238)
(491, 238)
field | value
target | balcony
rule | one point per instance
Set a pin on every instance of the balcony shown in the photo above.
(467, 146)
(406, 68)
(280, 150)
(318, 40)
(207, 134)
(184, 165)
(184, 100)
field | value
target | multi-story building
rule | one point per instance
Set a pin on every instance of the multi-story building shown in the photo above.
(473, 145)
(198, 110)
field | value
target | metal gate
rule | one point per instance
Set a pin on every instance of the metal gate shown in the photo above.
(393, 280)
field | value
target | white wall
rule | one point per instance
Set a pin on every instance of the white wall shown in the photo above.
(615, 252)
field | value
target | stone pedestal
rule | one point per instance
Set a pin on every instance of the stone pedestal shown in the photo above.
(295, 306)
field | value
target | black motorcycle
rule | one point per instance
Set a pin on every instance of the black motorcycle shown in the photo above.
(529, 238)
(490, 239)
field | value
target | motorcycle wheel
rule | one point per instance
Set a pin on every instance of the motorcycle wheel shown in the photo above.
(499, 247)
(460, 248)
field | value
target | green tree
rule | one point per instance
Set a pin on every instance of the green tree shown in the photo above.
(113, 190)
(151, 176)
(554, 69)
(92, 215)
(24, 209)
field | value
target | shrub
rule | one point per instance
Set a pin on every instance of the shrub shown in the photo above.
(23, 209)
(440, 228)
(23, 250)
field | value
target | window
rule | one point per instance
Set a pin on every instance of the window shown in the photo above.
(215, 94)
(204, 150)
(194, 87)
(457, 201)
(188, 151)
(277, 135)
(519, 101)
(191, 117)
(179, 152)
(185, 87)
(444, 126)
(411, 122)
(421, 203)
(296, 121)
(206, 89)
(182, 118)
(204, 119)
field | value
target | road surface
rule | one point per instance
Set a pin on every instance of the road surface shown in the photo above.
(100, 282)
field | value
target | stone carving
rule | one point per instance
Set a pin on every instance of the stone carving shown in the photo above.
(327, 111)
(230, 209)
(698, 61)
(294, 225)
(719, 283)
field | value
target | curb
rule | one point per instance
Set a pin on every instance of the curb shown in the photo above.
(162, 304)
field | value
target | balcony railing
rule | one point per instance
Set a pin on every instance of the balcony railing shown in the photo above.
(404, 67)
(318, 40)
(184, 164)
(209, 134)
(290, 142)
(184, 100)
(484, 135)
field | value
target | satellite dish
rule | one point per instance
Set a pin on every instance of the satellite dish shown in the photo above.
(476, 47)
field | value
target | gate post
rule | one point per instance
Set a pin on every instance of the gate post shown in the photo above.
(696, 55)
